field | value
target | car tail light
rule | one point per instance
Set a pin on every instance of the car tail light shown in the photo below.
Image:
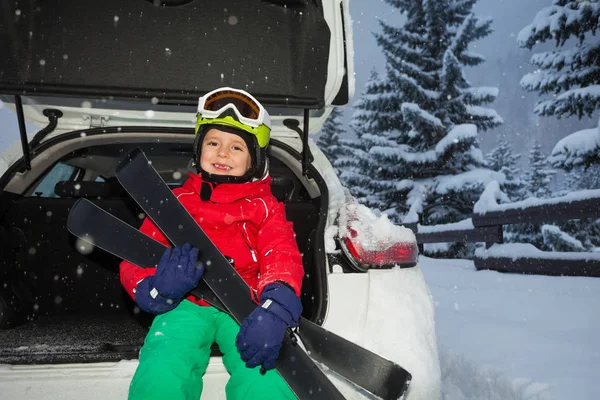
(375, 243)
(403, 254)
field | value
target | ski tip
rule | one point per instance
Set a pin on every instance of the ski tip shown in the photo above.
(129, 157)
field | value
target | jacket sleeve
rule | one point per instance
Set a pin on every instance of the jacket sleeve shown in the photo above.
(278, 256)
(132, 274)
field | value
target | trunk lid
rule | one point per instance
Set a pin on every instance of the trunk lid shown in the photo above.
(287, 53)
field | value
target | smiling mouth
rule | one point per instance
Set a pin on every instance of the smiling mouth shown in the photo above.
(222, 167)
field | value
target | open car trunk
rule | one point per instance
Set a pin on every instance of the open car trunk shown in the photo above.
(130, 73)
(62, 305)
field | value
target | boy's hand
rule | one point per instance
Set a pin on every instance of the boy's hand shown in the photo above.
(177, 273)
(262, 332)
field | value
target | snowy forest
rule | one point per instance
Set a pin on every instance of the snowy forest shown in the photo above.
(412, 147)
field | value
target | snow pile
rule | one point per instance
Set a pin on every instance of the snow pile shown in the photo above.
(372, 232)
(515, 251)
(539, 332)
(488, 200)
(465, 380)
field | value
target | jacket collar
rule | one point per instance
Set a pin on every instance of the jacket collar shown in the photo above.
(229, 192)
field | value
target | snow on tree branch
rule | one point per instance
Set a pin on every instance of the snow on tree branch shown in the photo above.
(579, 148)
(460, 133)
(477, 177)
(485, 113)
(560, 22)
(479, 95)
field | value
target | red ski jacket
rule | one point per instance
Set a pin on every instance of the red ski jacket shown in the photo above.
(246, 223)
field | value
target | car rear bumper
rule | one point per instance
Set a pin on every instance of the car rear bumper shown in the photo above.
(96, 381)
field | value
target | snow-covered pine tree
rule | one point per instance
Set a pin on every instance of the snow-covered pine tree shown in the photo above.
(502, 159)
(582, 178)
(539, 176)
(329, 136)
(428, 157)
(570, 75)
(353, 162)
(537, 184)
(586, 231)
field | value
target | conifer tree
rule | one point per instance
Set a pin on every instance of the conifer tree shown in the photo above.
(353, 162)
(568, 80)
(416, 150)
(427, 143)
(330, 135)
(503, 160)
(537, 184)
(557, 240)
(587, 230)
(569, 76)
(539, 176)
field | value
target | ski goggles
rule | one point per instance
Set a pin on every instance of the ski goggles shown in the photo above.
(247, 109)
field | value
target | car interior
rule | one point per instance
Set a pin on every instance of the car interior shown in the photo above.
(58, 305)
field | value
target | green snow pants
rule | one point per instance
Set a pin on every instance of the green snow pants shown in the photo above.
(176, 352)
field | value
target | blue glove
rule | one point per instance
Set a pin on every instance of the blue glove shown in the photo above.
(262, 332)
(177, 273)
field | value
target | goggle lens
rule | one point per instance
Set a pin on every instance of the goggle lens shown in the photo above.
(245, 105)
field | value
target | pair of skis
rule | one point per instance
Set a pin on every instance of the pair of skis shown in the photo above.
(224, 288)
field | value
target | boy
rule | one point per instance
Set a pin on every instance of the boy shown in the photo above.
(228, 194)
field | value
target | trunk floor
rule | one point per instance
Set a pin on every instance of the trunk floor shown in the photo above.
(73, 339)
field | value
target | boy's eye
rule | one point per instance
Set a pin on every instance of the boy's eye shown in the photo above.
(238, 148)
(211, 143)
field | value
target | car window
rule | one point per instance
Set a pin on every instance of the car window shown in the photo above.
(90, 171)
(60, 172)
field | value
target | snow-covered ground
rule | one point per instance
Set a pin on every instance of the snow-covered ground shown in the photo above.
(509, 336)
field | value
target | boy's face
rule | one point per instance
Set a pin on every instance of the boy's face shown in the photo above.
(224, 153)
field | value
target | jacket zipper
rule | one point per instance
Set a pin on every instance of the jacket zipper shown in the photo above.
(247, 239)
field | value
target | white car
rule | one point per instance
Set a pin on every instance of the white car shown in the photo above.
(129, 77)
